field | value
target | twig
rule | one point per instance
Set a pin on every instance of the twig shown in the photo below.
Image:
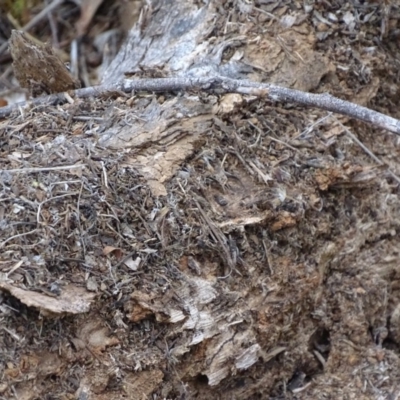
(123, 259)
(222, 84)
(45, 169)
(105, 178)
(78, 217)
(269, 137)
(16, 236)
(221, 239)
(53, 26)
(367, 150)
(269, 264)
(310, 128)
(61, 196)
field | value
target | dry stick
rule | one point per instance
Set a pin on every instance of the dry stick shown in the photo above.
(222, 84)
(219, 237)
(16, 236)
(367, 150)
(44, 169)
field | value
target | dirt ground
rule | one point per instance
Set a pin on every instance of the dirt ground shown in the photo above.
(228, 246)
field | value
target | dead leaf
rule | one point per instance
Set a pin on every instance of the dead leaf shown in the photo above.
(110, 249)
(133, 264)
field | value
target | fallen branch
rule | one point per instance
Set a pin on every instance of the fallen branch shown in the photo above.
(220, 84)
(44, 169)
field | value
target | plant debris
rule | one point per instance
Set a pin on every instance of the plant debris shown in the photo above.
(223, 245)
(38, 68)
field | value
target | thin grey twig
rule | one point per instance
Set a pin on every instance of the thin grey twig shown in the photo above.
(16, 236)
(367, 150)
(78, 217)
(53, 26)
(44, 169)
(221, 239)
(220, 84)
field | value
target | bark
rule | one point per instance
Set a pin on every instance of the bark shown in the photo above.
(247, 305)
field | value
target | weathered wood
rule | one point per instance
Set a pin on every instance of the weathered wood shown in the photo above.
(253, 262)
(169, 38)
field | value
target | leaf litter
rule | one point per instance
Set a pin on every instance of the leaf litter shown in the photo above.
(250, 249)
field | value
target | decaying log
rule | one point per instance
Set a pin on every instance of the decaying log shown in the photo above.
(216, 325)
(173, 51)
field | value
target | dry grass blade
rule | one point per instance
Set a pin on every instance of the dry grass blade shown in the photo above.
(220, 238)
(367, 151)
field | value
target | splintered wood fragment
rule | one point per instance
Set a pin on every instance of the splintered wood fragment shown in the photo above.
(38, 68)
